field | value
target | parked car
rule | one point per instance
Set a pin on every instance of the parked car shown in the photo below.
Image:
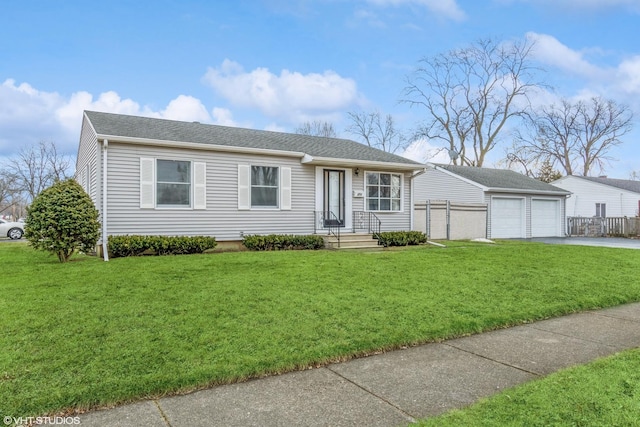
(13, 230)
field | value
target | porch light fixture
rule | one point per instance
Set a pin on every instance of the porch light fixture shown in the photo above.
(357, 171)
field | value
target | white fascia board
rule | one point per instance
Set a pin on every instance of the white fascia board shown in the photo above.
(330, 161)
(199, 146)
(522, 191)
(599, 185)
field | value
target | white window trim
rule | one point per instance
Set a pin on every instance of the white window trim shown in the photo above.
(366, 194)
(348, 191)
(261, 208)
(245, 186)
(152, 183)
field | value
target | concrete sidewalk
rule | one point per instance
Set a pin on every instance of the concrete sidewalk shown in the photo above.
(398, 387)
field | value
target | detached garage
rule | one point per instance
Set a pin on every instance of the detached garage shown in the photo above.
(545, 218)
(507, 217)
(519, 206)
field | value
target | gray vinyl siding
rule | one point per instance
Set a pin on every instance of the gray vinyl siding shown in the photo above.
(221, 218)
(438, 185)
(88, 155)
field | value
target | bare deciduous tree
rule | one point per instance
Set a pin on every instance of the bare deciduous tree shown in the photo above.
(35, 168)
(470, 94)
(575, 137)
(317, 128)
(7, 188)
(376, 131)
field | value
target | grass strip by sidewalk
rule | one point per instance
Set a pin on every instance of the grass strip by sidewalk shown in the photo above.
(90, 333)
(602, 393)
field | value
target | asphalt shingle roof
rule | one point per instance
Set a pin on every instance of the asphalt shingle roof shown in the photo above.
(118, 125)
(624, 184)
(501, 178)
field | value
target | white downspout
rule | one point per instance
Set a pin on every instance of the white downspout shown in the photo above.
(105, 251)
(411, 213)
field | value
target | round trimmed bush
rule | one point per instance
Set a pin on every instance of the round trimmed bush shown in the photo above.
(62, 219)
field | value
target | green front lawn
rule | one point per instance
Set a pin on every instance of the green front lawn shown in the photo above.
(91, 333)
(602, 393)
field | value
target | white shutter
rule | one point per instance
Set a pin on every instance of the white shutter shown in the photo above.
(147, 184)
(285, 189)
(244, 187)
(199, 185)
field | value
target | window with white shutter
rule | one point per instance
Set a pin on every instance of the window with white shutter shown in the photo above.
(264, 187)
(199, 185)
(147, 183)
(285, 188)
(244, 180)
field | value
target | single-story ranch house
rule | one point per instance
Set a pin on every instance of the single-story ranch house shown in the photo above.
(519, 206)
(601, 196)
(162, 177)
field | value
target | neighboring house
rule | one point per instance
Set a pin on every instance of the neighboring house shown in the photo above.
(600, 196)
(519, 206)
(152, 176)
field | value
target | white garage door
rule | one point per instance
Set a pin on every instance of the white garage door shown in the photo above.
(507, 218)
(545, 218)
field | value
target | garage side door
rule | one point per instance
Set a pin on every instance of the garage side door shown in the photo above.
(507, 218)
(545, 218)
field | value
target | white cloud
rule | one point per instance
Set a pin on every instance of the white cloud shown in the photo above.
(445, 8)
(628, 75)
(223, 117)
(620, 82)
(422, 151)
(28, 115)
(186, 108)
(551, 51)
(69, 113)
(290, 96)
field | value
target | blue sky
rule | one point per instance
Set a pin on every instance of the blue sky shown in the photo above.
(273, 64)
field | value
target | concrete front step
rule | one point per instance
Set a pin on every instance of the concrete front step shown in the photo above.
(351, 241)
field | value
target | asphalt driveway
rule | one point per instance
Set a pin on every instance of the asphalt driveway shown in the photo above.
(610, 242)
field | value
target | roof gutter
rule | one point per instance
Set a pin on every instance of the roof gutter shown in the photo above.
(330, 161)
(522, 191)
(201, 146)
(305, 158)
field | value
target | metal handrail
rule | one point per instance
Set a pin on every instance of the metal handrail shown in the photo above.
(375, 225)
(333, 225)
(369, 221)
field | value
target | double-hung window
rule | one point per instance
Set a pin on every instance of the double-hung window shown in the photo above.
(383, 191)
(264, 187)
(173, 183)
(601, 210)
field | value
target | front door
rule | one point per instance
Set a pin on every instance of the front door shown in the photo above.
(334, 198)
